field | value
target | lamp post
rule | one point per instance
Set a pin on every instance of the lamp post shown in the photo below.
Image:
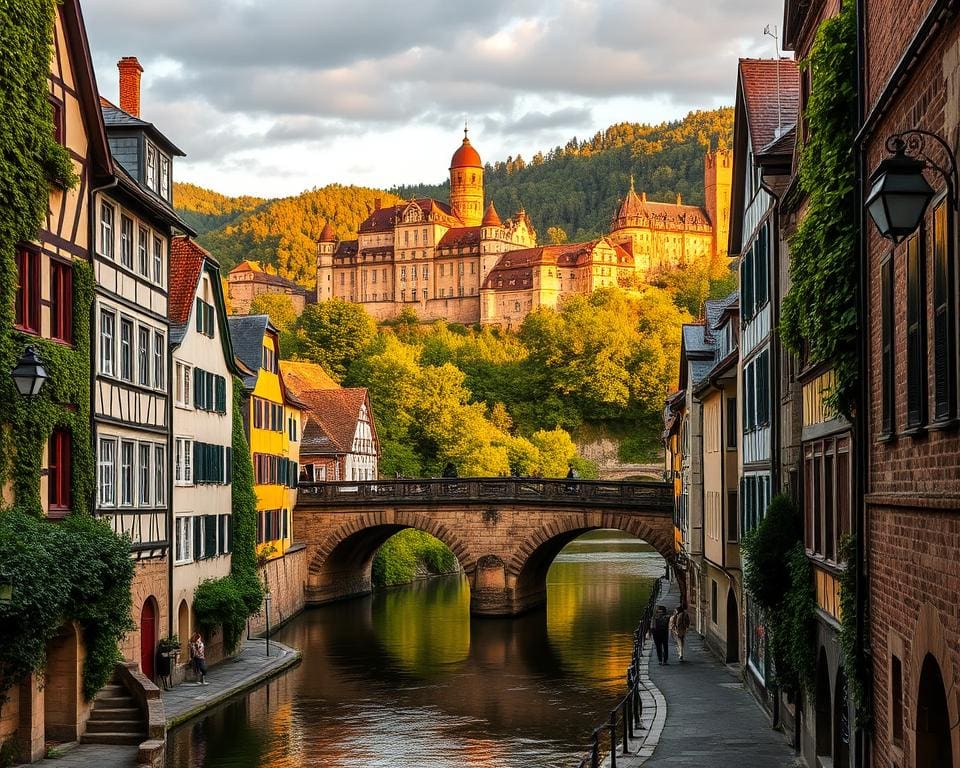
(29, 375)
(899, 192)
(266, 600)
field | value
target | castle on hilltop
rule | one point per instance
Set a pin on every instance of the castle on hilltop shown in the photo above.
(461, 263)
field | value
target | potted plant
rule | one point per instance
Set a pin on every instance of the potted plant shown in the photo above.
(168, 649)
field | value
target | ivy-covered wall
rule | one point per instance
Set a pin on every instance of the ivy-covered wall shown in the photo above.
(77, 569)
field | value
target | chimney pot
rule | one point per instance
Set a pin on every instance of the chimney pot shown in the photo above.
(376, 203)
(130, 71)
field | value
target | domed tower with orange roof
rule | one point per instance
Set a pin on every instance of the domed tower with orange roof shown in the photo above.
(326, 245)
(466, 183)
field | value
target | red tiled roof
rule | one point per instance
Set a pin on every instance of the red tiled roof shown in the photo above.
(327, 235)
(246, 266)
(490, 217)
(301, 376)
(636, 210)
(385, 219)
(466, 156)
(517, 265)
(332, 414)
(458, 237)
(767, 106)
(186, 261)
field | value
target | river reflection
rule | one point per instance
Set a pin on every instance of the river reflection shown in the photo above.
(405, 678)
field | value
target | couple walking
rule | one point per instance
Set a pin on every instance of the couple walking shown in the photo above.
(663, 625)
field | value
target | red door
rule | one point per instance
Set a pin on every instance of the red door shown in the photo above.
(148, 638)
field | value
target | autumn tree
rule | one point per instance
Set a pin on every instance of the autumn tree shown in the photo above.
(556, 235)
(333, 333)
(278, 307)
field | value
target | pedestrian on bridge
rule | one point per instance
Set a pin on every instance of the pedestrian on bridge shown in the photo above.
(660, 629)
(679, 624)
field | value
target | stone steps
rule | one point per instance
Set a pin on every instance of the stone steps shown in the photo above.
(115, 719)
(125, 737)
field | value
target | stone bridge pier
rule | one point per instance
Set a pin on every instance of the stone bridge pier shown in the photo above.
(504, 532)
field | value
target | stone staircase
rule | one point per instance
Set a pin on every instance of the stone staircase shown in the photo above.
(116, 718)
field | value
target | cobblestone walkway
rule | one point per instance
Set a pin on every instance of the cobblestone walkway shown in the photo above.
(712, 720)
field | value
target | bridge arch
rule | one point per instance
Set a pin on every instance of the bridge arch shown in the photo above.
(531, 562)
(341, 564)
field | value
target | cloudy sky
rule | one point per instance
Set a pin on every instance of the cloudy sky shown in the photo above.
(270, 97)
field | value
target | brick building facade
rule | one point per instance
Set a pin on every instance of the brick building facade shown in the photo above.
(912, 493)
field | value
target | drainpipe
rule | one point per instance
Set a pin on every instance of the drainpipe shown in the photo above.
(863, 664)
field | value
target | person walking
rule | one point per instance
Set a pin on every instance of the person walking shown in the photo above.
(679, 624)
(198, 655)
(660, 629)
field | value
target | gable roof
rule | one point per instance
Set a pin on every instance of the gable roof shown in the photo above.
(332, 417)
(187, 262)
(519, 264)
(385, 219)
(771, 95)
(116, 118)
(458, 237)
(302, 376)
(86, 82)
(246, 333)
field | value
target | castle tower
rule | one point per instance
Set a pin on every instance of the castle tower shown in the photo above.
(466, 183)
(326, 245)
(717, 177)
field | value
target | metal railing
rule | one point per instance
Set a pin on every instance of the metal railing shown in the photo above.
(649, 494)
(625, 721)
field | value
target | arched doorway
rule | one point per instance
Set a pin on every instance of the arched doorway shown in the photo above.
(61, 694)
(183, 628)
(824, 710)
(933, 718)
(841, 723)
(733, 629)
(148, 636)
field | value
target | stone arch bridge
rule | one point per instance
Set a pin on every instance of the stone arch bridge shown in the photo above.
(504, 531)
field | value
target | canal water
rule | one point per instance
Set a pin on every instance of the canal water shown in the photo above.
(405, 678)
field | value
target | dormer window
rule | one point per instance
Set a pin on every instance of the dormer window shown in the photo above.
(164, 177)
(151, 166)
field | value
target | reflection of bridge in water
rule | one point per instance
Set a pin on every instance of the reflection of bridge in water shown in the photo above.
(504, 531)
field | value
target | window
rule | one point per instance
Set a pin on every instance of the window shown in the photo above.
(827, 495)
(56, 117)
(204, 313)
(126, 350)
(151, 166)
(944, 340)
(27, 316)
(126, 473)
(183, 546)
(733, 532)
(106, 472)
(205, 536)
(126, 241)
(106, 230)
(896, 700)
(143, 245)
(157, 260)
(107, 328)
(160, 474)
(182, 392)
(731, 441)
(159, 352)
(183, 455)
(144, 474)
(886, 346)
(143, 355)
(61, 302)
(210, 463)
(58, 470)
(226, 535)
(269, 360)
(916, 335)
(165, 177)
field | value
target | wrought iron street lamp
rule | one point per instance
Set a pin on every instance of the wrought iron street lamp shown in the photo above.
(29, 374)
(899, 193)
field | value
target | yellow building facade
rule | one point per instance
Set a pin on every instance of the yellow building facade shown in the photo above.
(273, 421)
(459, 261)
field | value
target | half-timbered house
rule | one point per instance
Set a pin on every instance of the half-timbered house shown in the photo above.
(134, 224)
(51, 707)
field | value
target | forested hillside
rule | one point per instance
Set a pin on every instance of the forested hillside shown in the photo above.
(574, 187)
(577, 187)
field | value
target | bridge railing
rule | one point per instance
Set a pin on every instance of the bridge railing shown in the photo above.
(496, 490)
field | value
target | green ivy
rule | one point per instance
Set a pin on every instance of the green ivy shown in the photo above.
(227, 602)
(73, 570)
(779, 577)
(856, 674)
(819, 311)
(77, 569)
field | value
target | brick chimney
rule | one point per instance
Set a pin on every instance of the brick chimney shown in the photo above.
(130, 70)
(377, 202)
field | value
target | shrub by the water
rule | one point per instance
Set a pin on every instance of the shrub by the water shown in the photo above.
(409, 554)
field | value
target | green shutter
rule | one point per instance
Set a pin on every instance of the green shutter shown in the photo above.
(197, 388)
(228, 472)
(197, 533)
(199, 314)
(210, 534)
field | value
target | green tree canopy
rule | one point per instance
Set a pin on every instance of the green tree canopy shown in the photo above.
(333, 333)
